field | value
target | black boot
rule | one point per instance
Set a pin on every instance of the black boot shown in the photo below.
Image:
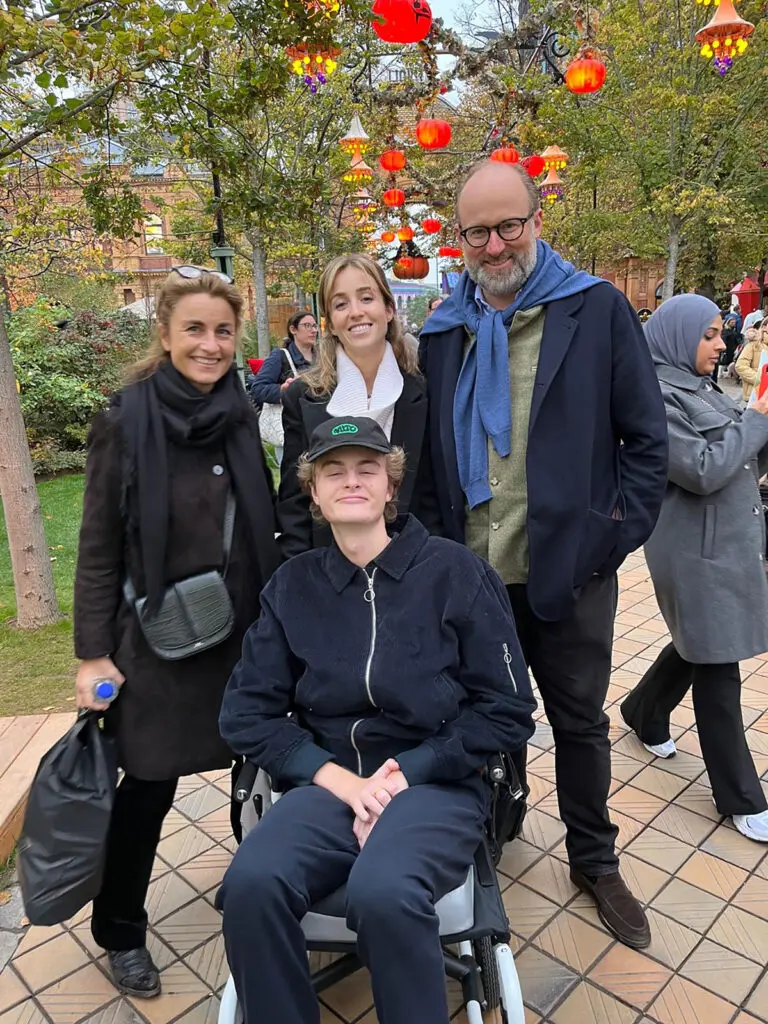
(134, 973)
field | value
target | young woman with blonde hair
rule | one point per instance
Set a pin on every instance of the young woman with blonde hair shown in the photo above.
(177, 516)
(363, 367)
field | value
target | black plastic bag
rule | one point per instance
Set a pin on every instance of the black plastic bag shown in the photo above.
(64, 838)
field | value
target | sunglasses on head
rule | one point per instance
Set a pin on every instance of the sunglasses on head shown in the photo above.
(190, 272)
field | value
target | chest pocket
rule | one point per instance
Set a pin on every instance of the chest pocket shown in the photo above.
(710, 423)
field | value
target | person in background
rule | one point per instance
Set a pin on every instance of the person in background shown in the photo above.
(748, 363)
(433, 303)
(380, 770)
(548, 447)
(165, 461)
(706, 560)
(731, 340)
(284, 364)
(363, 367)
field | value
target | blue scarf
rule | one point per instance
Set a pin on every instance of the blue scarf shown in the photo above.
(481, 405)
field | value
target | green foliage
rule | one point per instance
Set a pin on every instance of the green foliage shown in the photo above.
(76, 292)
(65, 375)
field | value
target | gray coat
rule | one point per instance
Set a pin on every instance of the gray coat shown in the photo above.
(706, 553)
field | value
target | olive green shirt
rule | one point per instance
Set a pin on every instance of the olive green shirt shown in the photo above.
(496, 530)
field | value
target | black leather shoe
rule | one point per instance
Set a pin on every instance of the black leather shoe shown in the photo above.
(134, 973)
(620, 912)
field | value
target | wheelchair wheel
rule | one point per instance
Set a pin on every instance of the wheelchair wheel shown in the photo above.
(489, 974)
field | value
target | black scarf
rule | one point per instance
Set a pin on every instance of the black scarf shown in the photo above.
(167, 407)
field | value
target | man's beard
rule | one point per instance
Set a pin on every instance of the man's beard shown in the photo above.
(511, 280)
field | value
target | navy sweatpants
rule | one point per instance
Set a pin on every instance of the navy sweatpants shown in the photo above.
(420, 848)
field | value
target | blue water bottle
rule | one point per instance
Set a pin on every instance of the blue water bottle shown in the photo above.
(105, 690)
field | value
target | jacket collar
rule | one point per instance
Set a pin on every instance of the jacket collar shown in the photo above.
(394, 560)
(682, 379)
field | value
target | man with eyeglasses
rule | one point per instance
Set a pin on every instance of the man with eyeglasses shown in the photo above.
(548, 446)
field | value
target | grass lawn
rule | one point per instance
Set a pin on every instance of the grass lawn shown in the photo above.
(37, 668)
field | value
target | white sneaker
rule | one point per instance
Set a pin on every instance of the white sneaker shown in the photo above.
(753, 826)
(666, 749)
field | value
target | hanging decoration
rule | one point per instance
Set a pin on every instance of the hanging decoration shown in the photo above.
(433, 133)
(505, 155)
(534, 164)
(402, 21)
(410, 264)
(554, 158)
(387, 236)
(362, 204)
(313, 63)
(724, 37)
(356, 141)
(393, 197)
(450, 251)
(405, 233)
(392, 160)
(586, 73)
(552, 188)
(358, 171)
(431, 226)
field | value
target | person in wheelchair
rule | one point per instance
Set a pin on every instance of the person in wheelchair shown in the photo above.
(382, 674)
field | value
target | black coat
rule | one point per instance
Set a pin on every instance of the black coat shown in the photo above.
(427, 670)
(266, 386)
(597, 443)
(166, 717)
(302, 412)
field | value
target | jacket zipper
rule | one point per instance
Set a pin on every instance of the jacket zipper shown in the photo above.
(370, 597)
(357, 749)
(508, 663)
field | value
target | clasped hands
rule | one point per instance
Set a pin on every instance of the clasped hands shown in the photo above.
(367, 797)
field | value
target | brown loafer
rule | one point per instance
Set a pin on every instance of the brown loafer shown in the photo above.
(620, 912)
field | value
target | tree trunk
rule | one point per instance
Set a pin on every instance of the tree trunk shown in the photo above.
(673, 254)
(260, 291)
(32, 574)
(761, 280)
(708, 276)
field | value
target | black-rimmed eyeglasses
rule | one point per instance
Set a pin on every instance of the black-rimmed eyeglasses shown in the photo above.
(508, 230)
(190, 272)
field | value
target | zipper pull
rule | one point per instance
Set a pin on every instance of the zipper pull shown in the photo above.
(508, 663)
(370, 593)
(507, 655)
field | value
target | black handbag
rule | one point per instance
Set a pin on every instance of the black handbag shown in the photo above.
(196, 613)
(64, 838)
(508, 806)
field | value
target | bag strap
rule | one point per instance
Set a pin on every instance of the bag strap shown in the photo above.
(294, 371)
(129, 592)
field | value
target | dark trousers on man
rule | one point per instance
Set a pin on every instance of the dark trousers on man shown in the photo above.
(717, 707)
(571, 664)
(303, 850)
(119, 920)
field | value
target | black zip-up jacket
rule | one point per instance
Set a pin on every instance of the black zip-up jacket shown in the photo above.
(415, 657)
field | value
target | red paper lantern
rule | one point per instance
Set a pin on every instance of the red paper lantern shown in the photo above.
(402, 21)
(452, 251)
(387, 236)
(433, 133)
(585, 74)
(392, 160)
(505, 155)
(393, 197)
(405, 234)
(431, 225)
(533, 164)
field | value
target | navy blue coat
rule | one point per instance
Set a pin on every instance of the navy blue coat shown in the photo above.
(421, 664)
(597, 443)
(266, 386)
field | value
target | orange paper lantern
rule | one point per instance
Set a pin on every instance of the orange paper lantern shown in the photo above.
(431, 225)
(533, 164)
(393, 197)
(405, 234)
(402, 21)
(505, 155)
(585, 74)
(433, 133)
(387, 236)
(392, 160)
(449, 250)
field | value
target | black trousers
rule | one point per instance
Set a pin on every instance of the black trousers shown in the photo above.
(303, 850)
(119, 920)
(571, 663)
(717, 707)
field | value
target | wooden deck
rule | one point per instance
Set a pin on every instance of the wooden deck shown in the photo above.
(23, 741)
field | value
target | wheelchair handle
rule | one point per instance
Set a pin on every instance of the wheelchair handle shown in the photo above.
(245, 781)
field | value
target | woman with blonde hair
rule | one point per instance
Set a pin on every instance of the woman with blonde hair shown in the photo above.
(177, 540)
(748, 363)
(363, 367)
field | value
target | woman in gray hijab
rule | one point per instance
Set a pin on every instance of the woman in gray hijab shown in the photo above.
(706, 559)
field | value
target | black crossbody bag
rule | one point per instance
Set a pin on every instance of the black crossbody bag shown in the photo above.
(196, 613)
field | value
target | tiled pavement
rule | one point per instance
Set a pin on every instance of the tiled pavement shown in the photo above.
(705, 885)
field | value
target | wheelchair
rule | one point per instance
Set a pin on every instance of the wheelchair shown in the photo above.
(473, 924)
